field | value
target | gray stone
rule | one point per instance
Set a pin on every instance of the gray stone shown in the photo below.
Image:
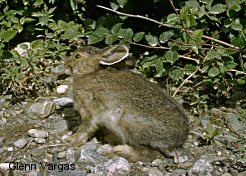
(64, 102)
(38, 133)
(88, 154)
(61, 89)
(201, 167)
(20, 143)
(39, 140)
(180, 159)
(62, 155)
(42, 109)
(37, 152)
(233, 122)
(60, 125)
(152, 172)
(10, 149)
(114, 167)
(156, 162)
(242, 173)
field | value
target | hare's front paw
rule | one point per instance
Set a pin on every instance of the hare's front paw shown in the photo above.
(77, 139)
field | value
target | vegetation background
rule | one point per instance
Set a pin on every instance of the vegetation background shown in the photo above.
(195, 49)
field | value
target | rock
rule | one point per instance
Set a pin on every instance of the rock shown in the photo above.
(39, 140)
(114, 167)
(37, 152)
(216, 112)
(156, 162)
(242, 173)
(76, 172)
(180, 159)
(10, 149)
(43, 109)
(60, 125)
(88, 154)
(201, 167)
(226, 174)
(152, 172)
(233, 122)
(179, 172)
(62, 89)
(38, 133)
(62, 155)
(20, 143)
(64, 102)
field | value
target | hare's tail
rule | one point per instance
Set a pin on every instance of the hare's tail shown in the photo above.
(134, 154)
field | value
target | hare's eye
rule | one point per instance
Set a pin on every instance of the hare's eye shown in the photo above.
(77, 56)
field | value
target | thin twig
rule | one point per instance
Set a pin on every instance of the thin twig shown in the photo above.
(176, 91)
(135, 16)
(167, 25)
(239, 72)
(153, 47)
(189, 58)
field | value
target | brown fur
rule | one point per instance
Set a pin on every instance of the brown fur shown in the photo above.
(136, 113)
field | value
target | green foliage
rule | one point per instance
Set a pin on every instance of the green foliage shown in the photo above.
(50, 35)
(197, 46)
(200, 44)
(210, 133)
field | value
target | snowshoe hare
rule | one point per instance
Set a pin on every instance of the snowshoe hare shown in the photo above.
(130, 112)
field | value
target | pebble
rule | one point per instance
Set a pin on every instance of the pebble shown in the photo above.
(39, 140)
(38, 133)
(10, 149)
(62, 89)
(114, 167)
(20, 143)
(64, 102)
(42, 109)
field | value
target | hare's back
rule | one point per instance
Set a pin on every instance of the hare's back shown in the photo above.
(131, 91)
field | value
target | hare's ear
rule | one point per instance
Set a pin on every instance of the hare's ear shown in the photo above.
(114, 55)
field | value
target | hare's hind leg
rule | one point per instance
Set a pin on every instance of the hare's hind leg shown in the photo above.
(134, 154)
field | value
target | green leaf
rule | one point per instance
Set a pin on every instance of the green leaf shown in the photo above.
(236, 25)
(122, 3)
(165, 36)
(171, 56)
(214, 71)
(189, 69)
(176, 74)
(241, 81)
(90, 22)
(101, 32)
(92, 39)
(116, 28)
(110, 39)
(213, 55)
(8, 35)
(239, 40)
(138, 36)
(217, 9)
(114, 6)
(230, 64)
(172, 18)
(126, 34)
(38, 44)
(151, 39)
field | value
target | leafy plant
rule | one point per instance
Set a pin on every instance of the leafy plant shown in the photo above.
(211, 133)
